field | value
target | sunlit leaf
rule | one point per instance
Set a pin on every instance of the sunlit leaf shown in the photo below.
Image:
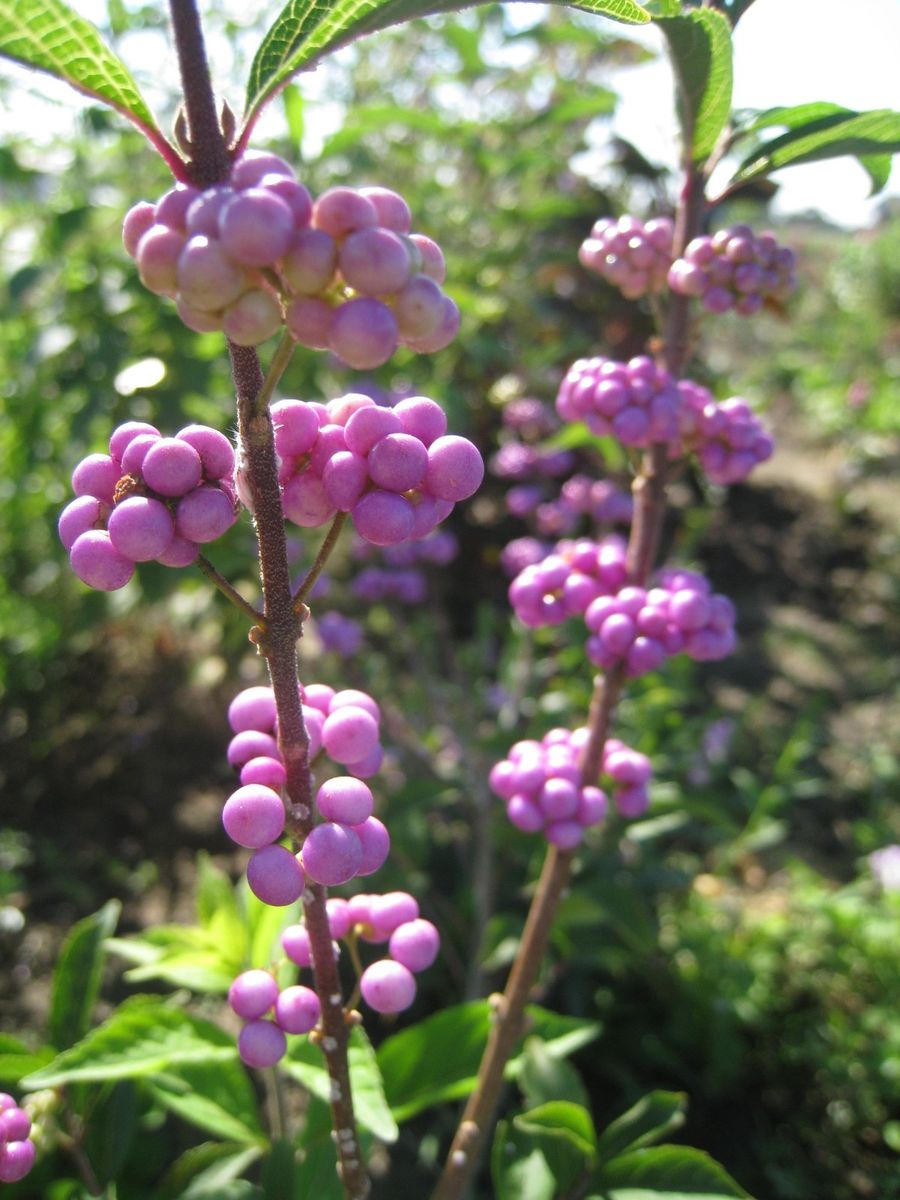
(700, 46)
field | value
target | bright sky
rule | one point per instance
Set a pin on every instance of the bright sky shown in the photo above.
(788, 52)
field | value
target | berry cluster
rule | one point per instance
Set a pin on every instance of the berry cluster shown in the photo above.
(643, 627)
(345, 725)
(636, 402)
(728, 438)
(634, 256)
(438, 548)
(343, 273)
(16, 1148)
(387, 985)
(270, 1012)
(151, 497)
(520, 460)
(638, 626)
(565, 582)
(734, 269)
(339, 634)
(540, 783)
(403, 584)
(580, 496)
(395, 470)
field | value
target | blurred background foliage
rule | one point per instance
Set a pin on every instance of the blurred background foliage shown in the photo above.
(733, 943)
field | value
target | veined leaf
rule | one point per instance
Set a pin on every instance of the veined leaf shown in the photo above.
(76, 978)
(667, 1173)
(820, 131)
(654, 1115)
(142, 1037)
(215, 1096)
(306, 30)
(700, 46)
(50, 36)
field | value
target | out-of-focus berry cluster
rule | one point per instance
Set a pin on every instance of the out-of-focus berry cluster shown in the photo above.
(640, 404)
(633, 255)
(16, 1147)
(734, 269)
(395, 470)
(150, 497)
(541, 785)
(343, 273)
(640, 627)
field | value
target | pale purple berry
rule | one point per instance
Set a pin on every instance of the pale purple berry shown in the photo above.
(252, 994)
(252, 318)
(369, 425)
(261, 1044)
(204, 514)
(275, 876)
(422, 418)
(341, 210)
(383, 518)
(296, 427)
(374, 261)
(297, 1009)
(254, 164)
(387, 986)
(96, 475)
(415, 944)
(391, 209)
(207, 278)
(256, 227)
(376, 843)
(16, 1160)
(363, 333)
(157, 257)
(295, 943)
(309, 320)
(172, 467)
(344, 799)
(137, 221)
(253, 816)
(310, 262)
(455, 468)
(253, 708)
(80, 515)
(97, 562)
(140, 528)
(331, 854)
(171, 208)
(262, 769)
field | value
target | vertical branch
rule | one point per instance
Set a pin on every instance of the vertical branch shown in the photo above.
(209, 155)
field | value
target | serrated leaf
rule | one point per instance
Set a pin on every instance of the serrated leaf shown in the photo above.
(667, 1173)
(305, 1063)
(142, 1036)
(654, 1115)
(215, 1096)
(563, 1120)
(437, 1059)
(196, 970)
(700, 46)
(306, 30)
(76, 977)
(50, 36)
(826, 134)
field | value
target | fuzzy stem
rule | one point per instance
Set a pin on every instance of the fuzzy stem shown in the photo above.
(210, 160)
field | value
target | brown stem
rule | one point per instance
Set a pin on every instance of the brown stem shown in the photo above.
(228, 590)
(321, 559)
(210, 161)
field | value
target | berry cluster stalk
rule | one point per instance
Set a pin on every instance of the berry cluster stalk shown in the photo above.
(277, 636)
(649, 490)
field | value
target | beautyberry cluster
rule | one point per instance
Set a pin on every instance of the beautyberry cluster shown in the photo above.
(343, 273)
(727, 437)
(395, 470)
(633, 255)
(565, 582)
(388, 984)
(540, 783)
(16, 1148)
(151, 497)
(270, 1012)
(734, 269)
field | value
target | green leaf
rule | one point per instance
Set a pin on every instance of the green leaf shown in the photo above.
(666, 1173)
(700, 46)
(563, 1120)
(826, 132)
(142, 1037)
(437, 1059)
(545, 1076)
(110, 1132)
(878, 169)
(317, 1175)
(654, 1115)
(305, 1063)
(278, 1175)
(215, 1096)
(306, 30)
(50, 36)
(518, 1168)
(76, 979)
(16, 1060)
(209, 1165)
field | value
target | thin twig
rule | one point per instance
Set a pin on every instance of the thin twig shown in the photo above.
(328, 545)
(228, 590)
(277, 368)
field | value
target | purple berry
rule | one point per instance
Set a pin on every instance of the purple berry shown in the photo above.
(363, 333)
(97, 562)
(252, 994)
(261, 1044)
(275, 876)
(297, 1009)
(387, 986)
(331, 854)
(415, 944)
(375, 841)
(253, 816)
(344, 799)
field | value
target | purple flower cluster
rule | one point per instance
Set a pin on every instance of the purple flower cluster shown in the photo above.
(633, 255)
(636, 402)
(727, 437)
(643, 627)
(395, 470)
(151, 497)
(541, 785)
(343, 273)
(734, 269)
(16, 1148)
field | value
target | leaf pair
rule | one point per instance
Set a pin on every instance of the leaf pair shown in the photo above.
(52, 37)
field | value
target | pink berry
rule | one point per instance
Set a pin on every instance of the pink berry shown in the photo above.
(375, 841)
(253, 816)
(252, 994)
(261, 1044)
(349, 734)
(172, 467)
(388, 986)
(297, 1009)
(332, 854)
(363, 333)
(344, 799)
(415, 944)
(97, 562)
(275, 876)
